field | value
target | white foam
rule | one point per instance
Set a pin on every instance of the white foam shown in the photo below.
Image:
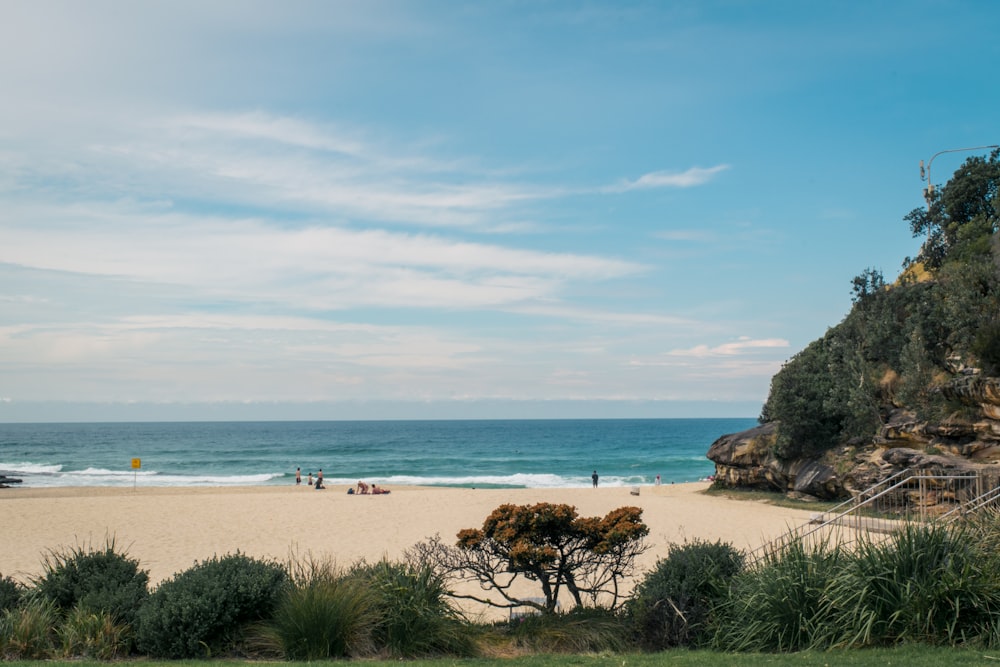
(29, 468)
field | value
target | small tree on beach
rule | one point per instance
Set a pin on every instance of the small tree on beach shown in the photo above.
(547, 543)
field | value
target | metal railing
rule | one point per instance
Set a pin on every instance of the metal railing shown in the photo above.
(905, 497)
(983, 500)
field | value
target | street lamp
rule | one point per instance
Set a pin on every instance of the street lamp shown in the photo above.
(929, 190)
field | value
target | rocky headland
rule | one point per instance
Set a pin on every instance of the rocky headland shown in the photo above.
(956, 445)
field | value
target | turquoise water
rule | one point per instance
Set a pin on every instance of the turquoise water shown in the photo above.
(473, 453)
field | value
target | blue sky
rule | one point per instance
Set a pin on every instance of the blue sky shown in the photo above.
(438, 209)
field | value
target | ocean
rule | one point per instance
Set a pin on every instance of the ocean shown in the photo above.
(463, 453)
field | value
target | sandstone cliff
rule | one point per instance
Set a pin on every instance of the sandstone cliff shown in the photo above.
(957, 444)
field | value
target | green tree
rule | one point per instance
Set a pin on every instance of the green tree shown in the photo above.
(546, 543)
(962, 215)
(901, 343)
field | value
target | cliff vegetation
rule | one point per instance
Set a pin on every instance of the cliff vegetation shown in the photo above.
(909, 378)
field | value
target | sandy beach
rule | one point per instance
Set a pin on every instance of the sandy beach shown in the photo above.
(169, 529)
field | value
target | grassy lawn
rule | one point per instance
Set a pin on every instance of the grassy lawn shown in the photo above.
(907, 656)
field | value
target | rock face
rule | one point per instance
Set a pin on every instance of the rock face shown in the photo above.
(744, 460)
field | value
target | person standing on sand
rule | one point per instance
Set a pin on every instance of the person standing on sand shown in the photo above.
(298, 476)
(594, 478)
(319, 479)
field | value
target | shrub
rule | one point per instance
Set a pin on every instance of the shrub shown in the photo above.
(986, 347)
(88, 634)
(206, 608)
(775, 606)
(414, 615)
(924, 584)
(97, 579)
(581, 630)
(27, 632)
(11, 593)
(323, 615)
(671, 605)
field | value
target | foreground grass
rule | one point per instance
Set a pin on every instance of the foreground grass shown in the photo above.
(908, 656)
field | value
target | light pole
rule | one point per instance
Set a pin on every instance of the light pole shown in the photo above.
(926, 174)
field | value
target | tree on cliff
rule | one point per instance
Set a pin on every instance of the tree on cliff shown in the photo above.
(962, 216)
(545, 543)
(901, 343)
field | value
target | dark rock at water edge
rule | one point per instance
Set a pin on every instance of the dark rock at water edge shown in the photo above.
(5, 481)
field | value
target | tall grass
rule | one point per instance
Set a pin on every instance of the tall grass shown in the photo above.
(415, 617)
(28, 632)
(93, 634)
(932, 583)
(777, 604)
(323, 615)
(924, 584)
(581, 630)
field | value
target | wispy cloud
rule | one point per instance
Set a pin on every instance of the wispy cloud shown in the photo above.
(740, 346)
(244, 248)
(287, 163)
(262, 126)
(666, 179)
(316, 267)
(687, 235)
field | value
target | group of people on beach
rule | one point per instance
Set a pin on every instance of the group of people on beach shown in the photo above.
(318, 484)
(374, 489)
(363, 488)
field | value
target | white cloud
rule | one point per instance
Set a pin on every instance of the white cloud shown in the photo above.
(687, 235)
(259, 125)
(312, 267)
(664, 179)
(740, 346)
(208, 251)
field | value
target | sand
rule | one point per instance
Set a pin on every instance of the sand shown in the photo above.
(168, 529)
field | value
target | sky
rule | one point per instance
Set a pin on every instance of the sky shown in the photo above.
(419, 209)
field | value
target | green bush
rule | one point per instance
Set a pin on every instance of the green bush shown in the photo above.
(89, 634)
(932, 584)
(581, 630)
(830, 392)
(28, 632)
(322, 619)
(11, 593)
(206, 608)
(671, 605)
(414, 614)
(986, 347)
(97, 579)
(776, 605)
(924, 584)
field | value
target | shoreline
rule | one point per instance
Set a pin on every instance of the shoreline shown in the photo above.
(168, 529)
